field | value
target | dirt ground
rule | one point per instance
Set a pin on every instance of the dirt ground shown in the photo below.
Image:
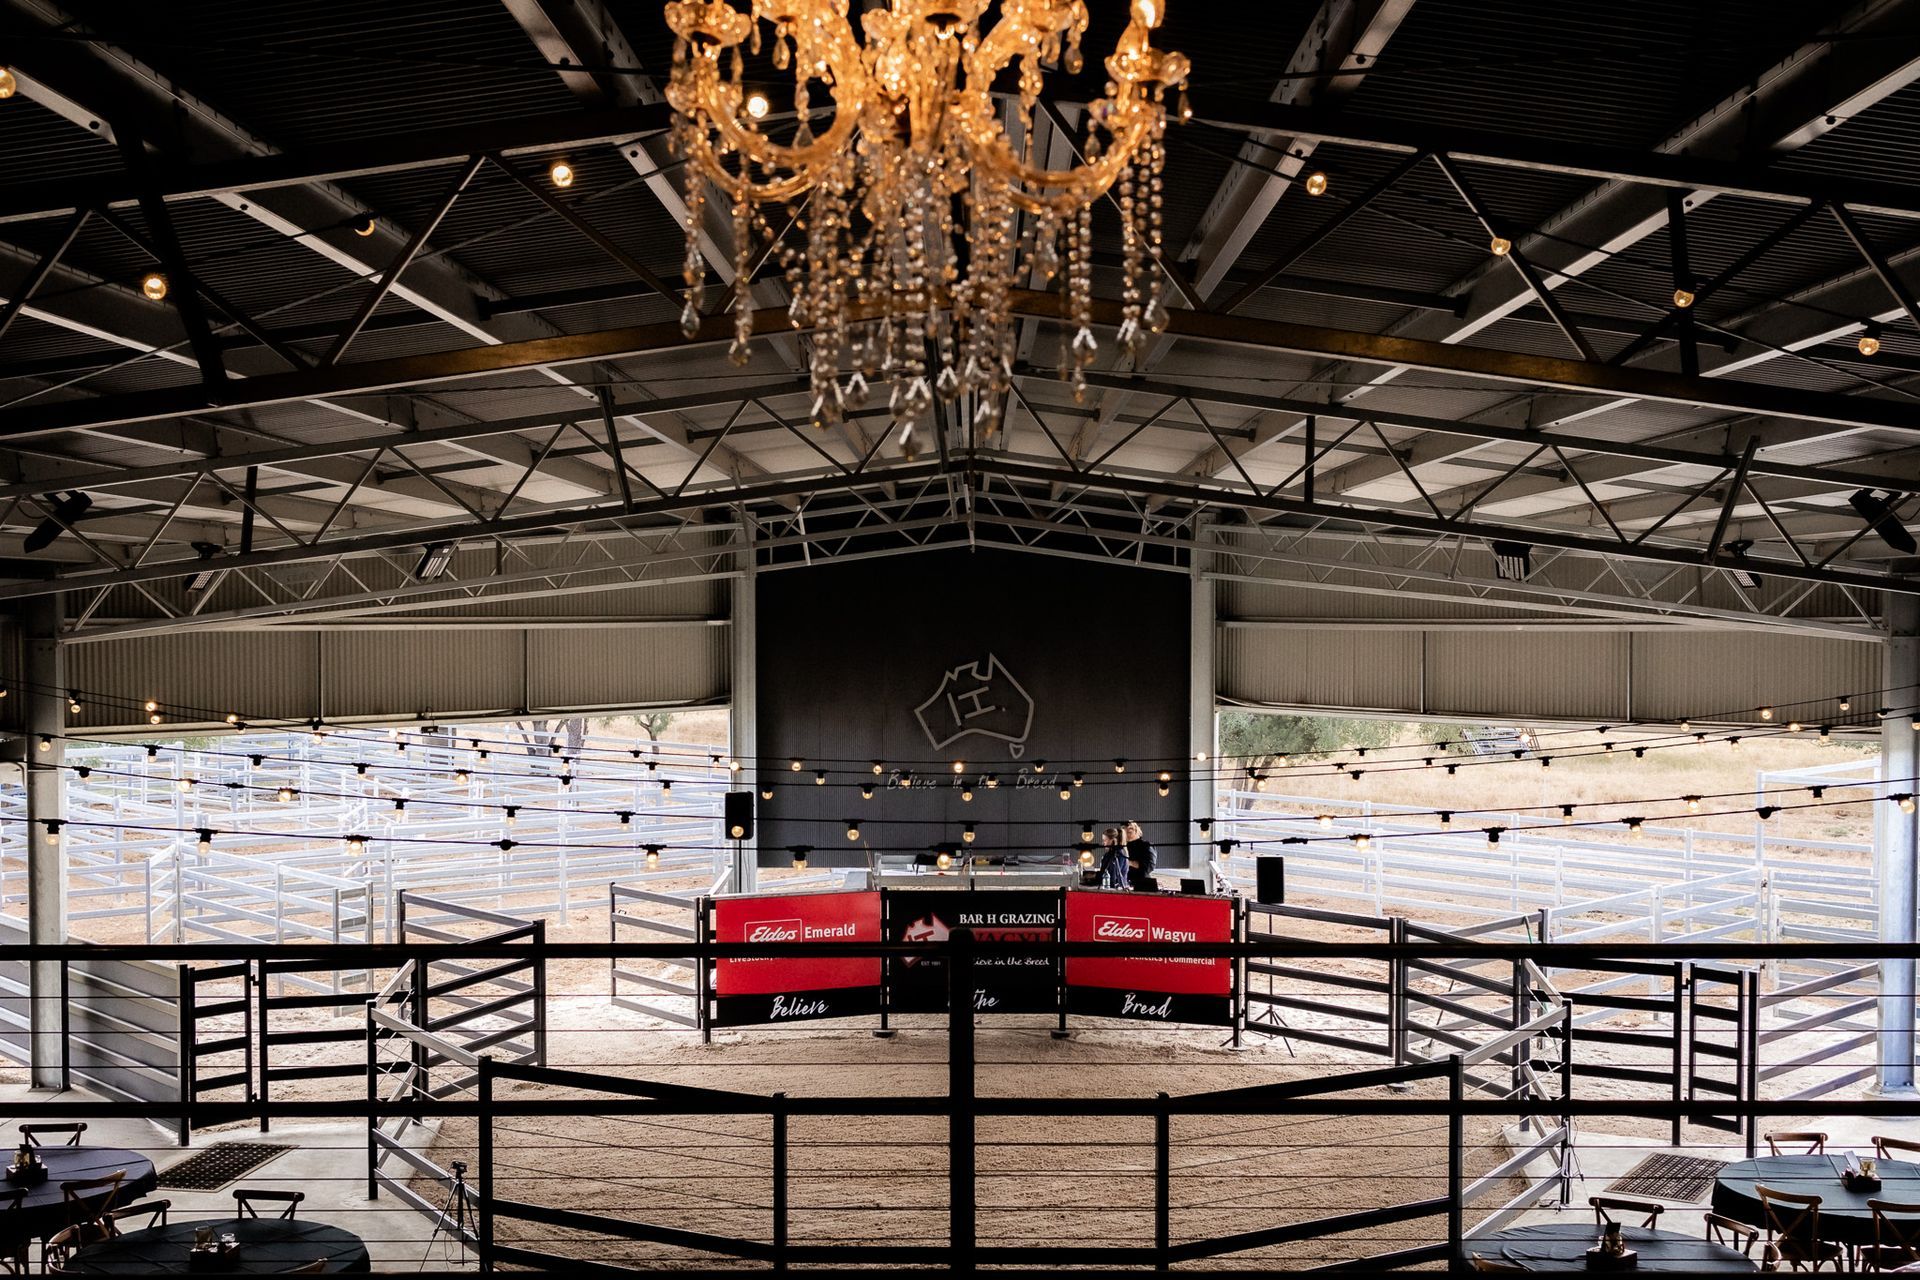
(872, 1179)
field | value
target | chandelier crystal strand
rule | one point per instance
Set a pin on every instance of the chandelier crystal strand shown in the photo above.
(913, 194)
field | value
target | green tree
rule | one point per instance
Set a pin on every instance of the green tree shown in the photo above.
(1257, 737)
(654, 722)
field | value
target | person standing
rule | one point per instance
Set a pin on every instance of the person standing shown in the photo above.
(1113, 860)
(1140, 858)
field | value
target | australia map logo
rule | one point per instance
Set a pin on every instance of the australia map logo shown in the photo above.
(980, 699)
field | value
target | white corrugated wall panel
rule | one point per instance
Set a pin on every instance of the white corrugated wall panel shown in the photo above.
(1707, 673)
(377, 673)
(1561, 674)
(265, 675)
(1319, 667)
(627, 666)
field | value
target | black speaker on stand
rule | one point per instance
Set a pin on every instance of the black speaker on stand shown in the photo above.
(1270, 878)
(737, 815)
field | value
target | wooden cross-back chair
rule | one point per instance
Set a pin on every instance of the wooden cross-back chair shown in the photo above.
(1815, 1144)
(1792, 1221)
(1896, 1236)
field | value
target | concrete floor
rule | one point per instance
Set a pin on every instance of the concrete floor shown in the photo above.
(325, 1160)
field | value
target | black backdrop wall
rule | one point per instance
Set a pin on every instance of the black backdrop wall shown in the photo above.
(997, 659)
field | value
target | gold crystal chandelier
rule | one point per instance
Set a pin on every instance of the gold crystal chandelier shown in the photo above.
(913, 187)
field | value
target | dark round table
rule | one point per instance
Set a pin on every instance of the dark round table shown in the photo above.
(44, 1211)
(1844, 1216)
(1562, 1246)
(268, 1246)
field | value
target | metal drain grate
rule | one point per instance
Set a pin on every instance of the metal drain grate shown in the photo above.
(1668, 1177)
(219, 1164)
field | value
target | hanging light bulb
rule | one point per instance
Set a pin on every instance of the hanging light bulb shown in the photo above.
(1316, 183)
(204, 845)
(509, 813)
(1693, 804)
(653, 856)
(1039, 766)
(766, 792)
(233, 717)
(794, 765)
(1119, 766)
(966, 834)
(1446, 820)
(1066, 793)
(153, 718)
(560, 173)
(1201, 756)
(284, 795)
(462, 777)
(878, 768)
(666, 788)
(53, 830)
(1362, 841)
(1086, 857)
(46, 742)
(1826, 734)
(9, 85)
(1164, 788)
(152, 705)
(866, 791)
(1086, 831)
(1566, 813)
(820, 778)
(1766, 811)
(1846, 702)
(154, 285)
(356, 845)
(800, 858)
(943, 860)
(1325, 819)
(1794, 726)
(966, 792)
(758, 106)
(1683, 298)
(1686, 726)
(1500, 246)
(853, 830)
(1869, 344)
(959, 766)
(1905, 802)
(184, 785)
(1493, 837)
(1079, 779)
(1635, 828)
(993, 781)
(73, 703)
(1766, 713)
(1733, 744)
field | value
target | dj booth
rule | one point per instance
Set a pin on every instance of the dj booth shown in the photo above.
(1008, 908)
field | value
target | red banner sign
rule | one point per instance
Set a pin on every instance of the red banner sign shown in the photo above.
(1146, 985)
(797, 917)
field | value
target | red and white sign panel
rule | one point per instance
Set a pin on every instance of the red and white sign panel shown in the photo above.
(798, 917)
(1144, 984)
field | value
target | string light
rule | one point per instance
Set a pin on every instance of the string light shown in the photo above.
(73, 703)
(205, 844)
(853, 829)
(1635, 828)
(284, 795)
(1905, 801)
(356, 845)
(943, 860)
(1500, 246)
(966, 792)
(1362, 841)
(1766, 811)
(1119, 766)
(1086, 857)
(1493, 837)
(626, 817)
(666, 788)
(1086, 831)
(653, 856)
(1693, 804)
(1066, 793)
(1079, 779)
(1766, 713)
(794, 765)
(766, 792)
(461, 777)
(154, 285)
(959, 766)
(1566, 813)
(1039, 766)
(1446, 820)
(184, 785)
(878, 768)
(1325, 819)
(1683, 298)
(1316, 183)
(820, 778)
(560, 173)
(1846, 702)
(53, 830)
(993, 781)
(1826, 734)
(1794, 726)
(1869, 343)
(866, 791)
(46, 742)
(966, 833)
(9, 85)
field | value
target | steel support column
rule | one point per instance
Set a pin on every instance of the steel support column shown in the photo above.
(44, 681)
(743, 716)
(1895, 842)
(1200, 691)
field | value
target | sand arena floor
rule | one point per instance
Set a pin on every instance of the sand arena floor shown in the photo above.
(882, 1180)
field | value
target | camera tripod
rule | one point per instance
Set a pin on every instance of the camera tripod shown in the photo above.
(457, 1221)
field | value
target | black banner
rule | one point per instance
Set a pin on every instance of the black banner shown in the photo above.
(794, 1006)
(1005, 984)
(1150, 1006)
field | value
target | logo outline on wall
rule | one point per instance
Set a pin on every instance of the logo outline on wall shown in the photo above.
(979, 699)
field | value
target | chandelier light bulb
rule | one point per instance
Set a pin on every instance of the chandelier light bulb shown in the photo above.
(1316, 183)
(154, 285)
(560, 173)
